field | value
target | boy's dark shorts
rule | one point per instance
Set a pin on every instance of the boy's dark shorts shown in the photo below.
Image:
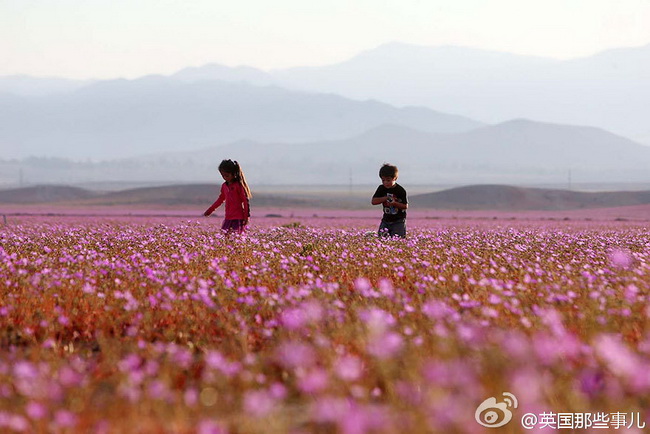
(392, 229)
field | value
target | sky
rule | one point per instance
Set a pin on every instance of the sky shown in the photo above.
(100, 39)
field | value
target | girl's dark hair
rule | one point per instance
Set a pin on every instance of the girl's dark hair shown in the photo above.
(233, 167)
(388, 170)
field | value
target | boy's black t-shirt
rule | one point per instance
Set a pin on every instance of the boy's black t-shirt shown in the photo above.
(392, 214)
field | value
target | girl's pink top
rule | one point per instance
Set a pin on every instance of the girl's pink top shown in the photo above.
(236, 201)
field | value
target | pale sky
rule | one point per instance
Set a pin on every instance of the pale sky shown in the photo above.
(131, 38)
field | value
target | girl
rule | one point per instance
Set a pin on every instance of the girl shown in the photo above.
(235, 193)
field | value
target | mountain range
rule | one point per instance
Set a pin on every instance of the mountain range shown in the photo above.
(607, 90)
(517, 151)
(332, 123)
(125, 118)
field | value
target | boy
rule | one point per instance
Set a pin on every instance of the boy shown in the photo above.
(393, 198)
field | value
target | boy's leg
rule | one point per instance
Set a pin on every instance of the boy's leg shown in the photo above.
(399, 229)
(384, 229)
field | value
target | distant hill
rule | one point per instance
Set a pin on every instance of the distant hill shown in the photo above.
(508, 198)
(125, 118)
(521, 142)
(474, 197)
(201, 195)
(45, 194)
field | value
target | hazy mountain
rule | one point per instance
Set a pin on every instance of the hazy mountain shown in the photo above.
(215, 71)
(608, 90)
(643, 139)
(44, 194)
(25, 85)
(118, 118)
(526, 143)
(196, 195)
(502, 197)
(514, 152)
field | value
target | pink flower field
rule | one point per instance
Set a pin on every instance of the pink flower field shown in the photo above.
(313, 324)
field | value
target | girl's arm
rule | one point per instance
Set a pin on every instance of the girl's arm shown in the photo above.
(216, 204)
(378, 200)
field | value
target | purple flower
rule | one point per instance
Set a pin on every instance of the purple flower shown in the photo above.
(294, 354)
(386, 345)
(620, 359)
(35, 410)
(377, 320)
(348, 368)
(620, 258)
(313, 381)
(259, 403)
(592, 382)
(65, 419)
(207, 426)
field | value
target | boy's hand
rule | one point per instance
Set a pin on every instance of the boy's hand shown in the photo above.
(245, 222)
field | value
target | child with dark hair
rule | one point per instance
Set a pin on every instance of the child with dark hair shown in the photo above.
(236, 193)
(392, 197)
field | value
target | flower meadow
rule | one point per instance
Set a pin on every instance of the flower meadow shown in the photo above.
(168, 325)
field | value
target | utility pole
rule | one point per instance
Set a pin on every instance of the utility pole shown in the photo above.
(569, 179)
(350, 181)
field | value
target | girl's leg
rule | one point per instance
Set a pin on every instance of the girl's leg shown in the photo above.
(233, 226)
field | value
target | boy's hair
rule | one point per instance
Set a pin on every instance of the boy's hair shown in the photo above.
(388, 170)
(233, 167)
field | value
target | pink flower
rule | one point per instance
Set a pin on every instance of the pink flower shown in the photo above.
(329, 409)
(362, 284)
(386, 345)
(313, 381)
(592, 382)
(377, 320)
(619, 358)
(259, 403)
(35, 410)
(278, 391)
(294, 354)
(348, 368)
(130, 363)
(68, 377)
(191, 397)
(293, 319)
(620, 258)
(65, 419)
(210, 427)
(25, 370)
(437, 310)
